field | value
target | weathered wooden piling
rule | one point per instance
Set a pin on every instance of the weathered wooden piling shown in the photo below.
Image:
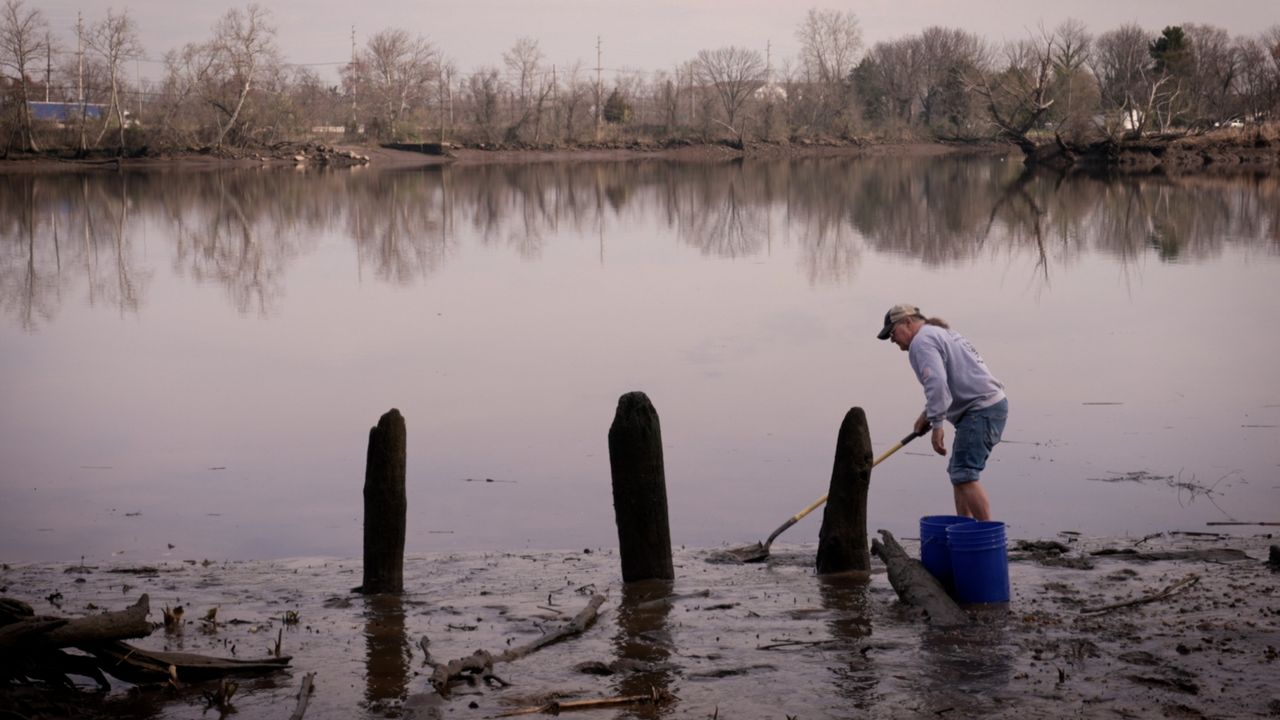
(842, 541)
(640, 490)
(385, 506)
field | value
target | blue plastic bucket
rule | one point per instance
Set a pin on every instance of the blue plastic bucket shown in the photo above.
(979, 562)
(935, 554)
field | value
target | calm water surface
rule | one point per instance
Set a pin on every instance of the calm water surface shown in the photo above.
(195, 359)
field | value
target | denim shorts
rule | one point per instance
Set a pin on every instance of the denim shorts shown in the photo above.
(976, 433)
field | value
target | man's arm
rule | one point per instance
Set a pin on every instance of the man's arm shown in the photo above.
(931, 371)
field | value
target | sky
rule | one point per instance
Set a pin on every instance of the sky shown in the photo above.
(647, 35)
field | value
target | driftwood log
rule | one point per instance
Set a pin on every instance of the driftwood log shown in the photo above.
(22, 628)
(481, 662)
(915, 585)
(31, 646)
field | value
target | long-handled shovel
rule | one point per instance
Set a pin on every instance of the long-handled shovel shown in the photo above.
(760, 551)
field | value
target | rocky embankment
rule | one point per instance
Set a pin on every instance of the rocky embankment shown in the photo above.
(1253, 150)
(317, 154)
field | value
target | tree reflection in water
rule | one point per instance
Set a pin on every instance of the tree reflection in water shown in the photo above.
(62, 235)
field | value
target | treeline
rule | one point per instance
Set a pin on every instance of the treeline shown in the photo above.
(235, 90)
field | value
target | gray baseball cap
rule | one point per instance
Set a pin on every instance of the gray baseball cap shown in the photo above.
(897, 313)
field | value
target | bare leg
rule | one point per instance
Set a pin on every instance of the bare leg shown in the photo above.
(971, 501)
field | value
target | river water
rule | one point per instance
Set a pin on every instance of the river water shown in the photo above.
(190, 361)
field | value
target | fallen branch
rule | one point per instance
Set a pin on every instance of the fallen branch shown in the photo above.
(1182, 584)
(671, 599)
(34, 643)
(480, 663)
(555, 707)
(796, 643)
(136, 665)
(576, 626)
(304, 696)
(915, 585)
(1224, 522)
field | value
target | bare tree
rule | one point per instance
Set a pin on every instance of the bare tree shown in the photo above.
(23, 39)
(943, 57)
(1121, 64)
(1018, 93)
(1259, 82)
(186, 70)
(394, 73)
(1270, 42)
(734, 73)
(1070, 55)
(1215, 68)
(244, 47)
(829, 45)
(576, 101)
(890, 80)
(115, 41)
(524, 60)
(483, 89)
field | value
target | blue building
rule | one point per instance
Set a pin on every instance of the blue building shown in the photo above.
(62, 112)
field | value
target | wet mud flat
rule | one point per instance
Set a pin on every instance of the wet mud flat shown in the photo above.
(768, 640)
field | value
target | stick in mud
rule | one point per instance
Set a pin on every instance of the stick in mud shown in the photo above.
(640, 490)
(842, 540)
(481, 662)
(654, 697)
(1182, 584)
(385, 506)
(304, 696)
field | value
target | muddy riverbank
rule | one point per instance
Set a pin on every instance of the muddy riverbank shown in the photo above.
(725, 640)
(1232, 150)
(320, 155)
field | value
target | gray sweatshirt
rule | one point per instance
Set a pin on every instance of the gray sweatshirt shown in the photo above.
(954, 377)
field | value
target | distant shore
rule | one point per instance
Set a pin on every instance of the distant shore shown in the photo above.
(316, 154)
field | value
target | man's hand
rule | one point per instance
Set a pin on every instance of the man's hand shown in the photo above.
(922, 425)
(939, 439)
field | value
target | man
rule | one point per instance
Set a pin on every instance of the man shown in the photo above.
(957, 387)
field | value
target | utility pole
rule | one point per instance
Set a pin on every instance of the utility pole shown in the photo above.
(80, 77)
(354, 126)
(48, 68)
(599, 86)
(692, 109)
(768, 63)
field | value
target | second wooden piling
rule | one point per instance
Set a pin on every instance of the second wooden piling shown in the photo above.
(842, 541)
